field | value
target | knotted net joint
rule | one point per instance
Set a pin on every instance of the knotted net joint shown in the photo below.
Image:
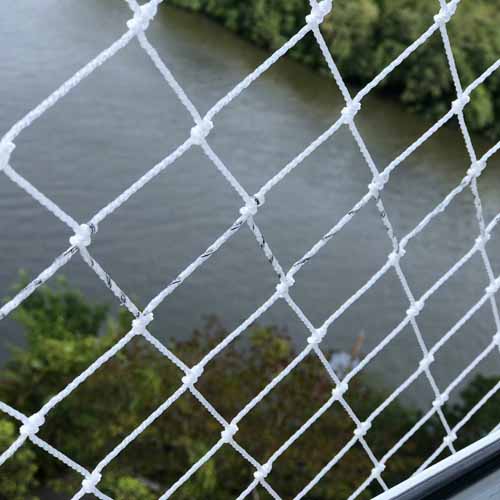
(377, 470)
(395, 256)
(493, 287)
(201, 130)
(427, 361)
(476, 169)
(286, 283)
(496, 339)
(82, 236)
(440, 401)
(459, 104)
(6, 148)
(228, 433)
(446, 13)
(143, 16)
(377, 184)
(32, 425)
(415, 309)
(262, 472)
(260, 199)
(340, 390)
(252, 206)
(362, 429)
(140, 323)
(192, 376)
(350, 111)
(91, 481)
(318, 12)
(318, 335)
(450, 438)
(482, 239)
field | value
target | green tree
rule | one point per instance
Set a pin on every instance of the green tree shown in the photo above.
(128, 488)
(18, 477)
(482, 422)
(364, 36)
(65, 334)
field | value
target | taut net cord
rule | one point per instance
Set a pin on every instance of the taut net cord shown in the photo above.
(82, 235)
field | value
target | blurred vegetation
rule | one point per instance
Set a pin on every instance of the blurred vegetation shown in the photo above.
(364, 36)
(65, 334)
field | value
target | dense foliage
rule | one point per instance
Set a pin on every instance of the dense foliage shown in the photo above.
(365, 35)
(65, 334)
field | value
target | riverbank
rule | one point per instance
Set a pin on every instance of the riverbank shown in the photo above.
(364, 36)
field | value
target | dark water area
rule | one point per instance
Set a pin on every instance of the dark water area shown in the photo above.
(124, 119)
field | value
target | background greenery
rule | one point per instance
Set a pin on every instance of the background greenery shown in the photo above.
(65, 334)
(366, 35)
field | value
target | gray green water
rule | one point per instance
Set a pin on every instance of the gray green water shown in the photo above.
(124, 119)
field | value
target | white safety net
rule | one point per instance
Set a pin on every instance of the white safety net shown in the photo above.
(199, 136)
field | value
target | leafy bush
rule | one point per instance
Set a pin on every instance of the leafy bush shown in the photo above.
(17, 480)
(481, 423)
(65, 334)
(366, 35)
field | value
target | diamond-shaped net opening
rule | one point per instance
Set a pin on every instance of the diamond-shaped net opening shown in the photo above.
(358, 436)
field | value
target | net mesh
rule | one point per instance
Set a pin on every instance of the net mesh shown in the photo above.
(83, 234)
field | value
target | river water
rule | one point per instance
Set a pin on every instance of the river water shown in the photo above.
(123, 119)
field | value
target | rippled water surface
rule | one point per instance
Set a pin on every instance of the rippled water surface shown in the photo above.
(123, 119)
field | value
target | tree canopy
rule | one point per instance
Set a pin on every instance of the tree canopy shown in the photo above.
(65, 333)
(366, 35)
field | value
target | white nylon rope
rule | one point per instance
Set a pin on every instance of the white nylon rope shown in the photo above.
(83, 234)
